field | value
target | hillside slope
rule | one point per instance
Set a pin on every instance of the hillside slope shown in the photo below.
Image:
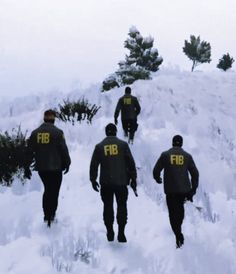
(199, 106)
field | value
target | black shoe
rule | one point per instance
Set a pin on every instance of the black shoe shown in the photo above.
(121, 237)
(110, 233)
(46, 218)
(52, 218)
(49, 220)
(110, 236)
(179, 240)
(49, 223)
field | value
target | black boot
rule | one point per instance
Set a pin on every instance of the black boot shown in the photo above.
(52, 218)
(110, 233)
(49, 219)
(131, 141)
(131, 138)
(49, 223)
(179, 240)
(121, 234)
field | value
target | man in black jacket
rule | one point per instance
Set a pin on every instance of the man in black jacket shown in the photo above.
(48, 147)
(177, 165)
(117, 170)
(130, 109)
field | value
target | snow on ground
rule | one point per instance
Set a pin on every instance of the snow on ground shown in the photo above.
(201, 107)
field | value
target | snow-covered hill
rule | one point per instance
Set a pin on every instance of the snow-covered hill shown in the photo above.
(201, 107)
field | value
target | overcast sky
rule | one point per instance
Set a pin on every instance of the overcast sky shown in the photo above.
(64, 44)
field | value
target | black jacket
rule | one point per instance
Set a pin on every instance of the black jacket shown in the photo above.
(47, 145)
(177, 163)
(116, 162)
(129, 107)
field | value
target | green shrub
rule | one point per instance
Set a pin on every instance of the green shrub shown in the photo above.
(12, 156)
(225, 62)
(76, 111)
(198, 51)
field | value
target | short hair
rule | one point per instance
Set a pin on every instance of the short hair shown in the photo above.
(127, 90)
(177, 141)
(111, 130)
(49, 115)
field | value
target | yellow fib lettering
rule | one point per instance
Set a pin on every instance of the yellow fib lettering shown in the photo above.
(43, 138)
(110, 150)
(114, 149)
(181, 160)
(177, 159)
(127, 101)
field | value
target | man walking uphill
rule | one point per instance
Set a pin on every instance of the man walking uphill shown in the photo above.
(117, 169)
(47, 145)
(130, 109)
(177, 163)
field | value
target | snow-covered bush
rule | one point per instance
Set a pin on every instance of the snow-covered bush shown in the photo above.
(130, 73)
(76, 111)
(225, 62)
(141, 61)
(110, 82)
(198, 51)
(71, 250)
(12, 156)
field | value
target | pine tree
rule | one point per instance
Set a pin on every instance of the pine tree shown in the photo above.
(138, 64)
(141, 50)
(225, 62)
(198, 51)
(128, 74)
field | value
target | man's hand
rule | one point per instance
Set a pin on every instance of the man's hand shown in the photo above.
(66, 169)
(28, 173)
(189, 196)
(95, 186)
(116, 121)
(133, 185)
(158, 180)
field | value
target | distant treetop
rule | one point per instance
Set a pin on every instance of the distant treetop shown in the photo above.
(138, 64)
(225, 62)
(198, 51)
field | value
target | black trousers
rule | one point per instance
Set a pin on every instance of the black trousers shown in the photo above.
(107, 195)
(175, 204)
(52, 183)
(129, 125)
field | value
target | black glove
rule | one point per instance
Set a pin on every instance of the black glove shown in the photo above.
(95, 186)
(189, 195)
(27, 173)
(133, 185)
(158, 180)
(116, 121)
(66, 169)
